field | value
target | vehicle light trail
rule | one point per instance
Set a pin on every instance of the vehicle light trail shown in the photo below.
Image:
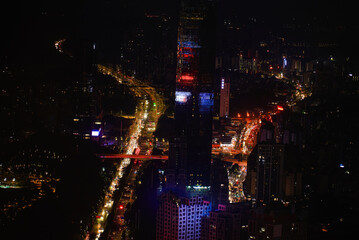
(58, 44)
(144, 113)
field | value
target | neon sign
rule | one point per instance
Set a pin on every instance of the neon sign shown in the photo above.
(187, 78)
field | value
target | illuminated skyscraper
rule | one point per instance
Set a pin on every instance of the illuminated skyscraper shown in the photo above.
(224, 100)
(178, 216)
(190, 149)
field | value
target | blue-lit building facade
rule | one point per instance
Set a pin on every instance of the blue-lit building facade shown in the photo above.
(190, 148)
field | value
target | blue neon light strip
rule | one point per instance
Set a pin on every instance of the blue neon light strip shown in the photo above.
(190, 44)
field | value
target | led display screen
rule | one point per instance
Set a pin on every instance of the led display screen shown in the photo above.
(182, 97)
(95, 133)
(206, 99)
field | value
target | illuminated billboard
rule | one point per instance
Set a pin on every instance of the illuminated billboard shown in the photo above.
(182, 97)
(205, 102)
(206, 99)
(95, 133)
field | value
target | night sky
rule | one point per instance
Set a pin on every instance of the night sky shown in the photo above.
(30, 26)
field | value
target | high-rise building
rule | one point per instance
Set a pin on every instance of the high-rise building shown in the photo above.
(180, 217)
(190, 149)
(275, 224)
(228, 222)
(219, 183)
(224, 99)
(268, 167)
(227, 225)
(269, 173)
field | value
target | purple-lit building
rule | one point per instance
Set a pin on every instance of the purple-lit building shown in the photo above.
(180, 217)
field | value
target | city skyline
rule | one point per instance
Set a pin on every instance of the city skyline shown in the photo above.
(189, 119)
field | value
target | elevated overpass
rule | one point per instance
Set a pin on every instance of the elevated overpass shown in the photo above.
(160, 157)
(141, 157)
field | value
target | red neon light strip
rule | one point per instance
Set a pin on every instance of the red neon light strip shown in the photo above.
(187, 77)
(187, 55)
